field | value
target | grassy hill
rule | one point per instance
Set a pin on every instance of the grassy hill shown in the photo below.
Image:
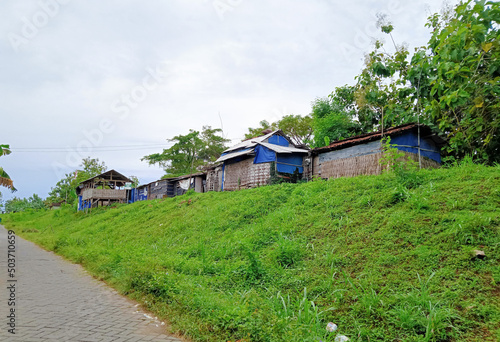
(386, 258)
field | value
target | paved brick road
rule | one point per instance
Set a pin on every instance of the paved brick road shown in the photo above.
(58, 301)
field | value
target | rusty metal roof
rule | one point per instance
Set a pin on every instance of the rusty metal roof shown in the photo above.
(425, 132)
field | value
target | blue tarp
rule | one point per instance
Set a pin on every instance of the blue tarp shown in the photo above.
(278, 140)
(288, 163)
(263, 155)
(133, 195)
(142, 194)
(411, 139)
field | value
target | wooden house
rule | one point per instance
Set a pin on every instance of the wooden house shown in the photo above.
(104, 189)
(250, 163)
(360, 155)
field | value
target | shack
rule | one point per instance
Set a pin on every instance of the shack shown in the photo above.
(168, 187)
(102, 190)
(180, 185)
(252, 162)
(360, 155)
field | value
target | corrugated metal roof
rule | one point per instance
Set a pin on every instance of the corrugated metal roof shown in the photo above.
(426, 132)
(249, 143)
(283, 149)
(235, 154)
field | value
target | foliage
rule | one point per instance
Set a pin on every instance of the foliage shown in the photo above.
(91, 167)
(335, 117)
(190, 151)
(462, 71)
(279, 262)
(135, 181)
(15, 204)
(451, 84)
(5, 179)
(65, 189)
(257, 132)
(298, 128)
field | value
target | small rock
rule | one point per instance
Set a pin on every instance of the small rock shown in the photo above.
(479, 254)
(341, 338)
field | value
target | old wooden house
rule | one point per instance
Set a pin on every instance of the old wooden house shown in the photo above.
(360, 155)
(250, 163)
(101, 190)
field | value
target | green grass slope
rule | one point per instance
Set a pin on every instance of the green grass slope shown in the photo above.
(386, 258)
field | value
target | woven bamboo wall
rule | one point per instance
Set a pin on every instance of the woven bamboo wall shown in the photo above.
(362, 165)
(351, 167)
(104, 194)
(247, 174)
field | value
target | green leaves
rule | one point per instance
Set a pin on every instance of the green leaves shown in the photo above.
(190, 151)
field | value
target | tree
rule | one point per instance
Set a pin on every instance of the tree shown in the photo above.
(189, 151)
(15, 204)
(65, 191)
(5, 179)
(297, 127)
(135, 181)
(256, 132)
(451, 84)
(460, 70)
(91, 167)
(334, 117)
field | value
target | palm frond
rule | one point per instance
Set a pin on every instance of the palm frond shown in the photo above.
(4, 150)
(5, 180)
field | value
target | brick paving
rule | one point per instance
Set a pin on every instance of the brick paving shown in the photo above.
(58, 301)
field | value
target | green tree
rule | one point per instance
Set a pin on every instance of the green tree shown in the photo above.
(298, 128)
(256, 132)
(15, 204)
(451, 84)
(460, 70)
(65, 189)
(90, 167)
(5, 179)
(335, 117)
(189, 151)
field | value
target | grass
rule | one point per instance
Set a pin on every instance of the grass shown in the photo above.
(384, 261)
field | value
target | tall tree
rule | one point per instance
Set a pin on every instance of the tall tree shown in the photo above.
(460, 68)
(189, 151)
(452, 83)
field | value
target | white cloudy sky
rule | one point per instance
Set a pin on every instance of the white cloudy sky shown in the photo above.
(85, 78)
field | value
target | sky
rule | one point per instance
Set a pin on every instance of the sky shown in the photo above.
(115, 79)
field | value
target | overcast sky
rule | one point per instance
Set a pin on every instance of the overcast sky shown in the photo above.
(114, 79)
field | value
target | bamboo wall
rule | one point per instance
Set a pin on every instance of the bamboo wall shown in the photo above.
(361, 165)
(245, 174)
(105, 194)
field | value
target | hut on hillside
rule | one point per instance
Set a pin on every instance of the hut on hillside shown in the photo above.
(104, 189)
(168, 187)
(252, 162)
(360, 155)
